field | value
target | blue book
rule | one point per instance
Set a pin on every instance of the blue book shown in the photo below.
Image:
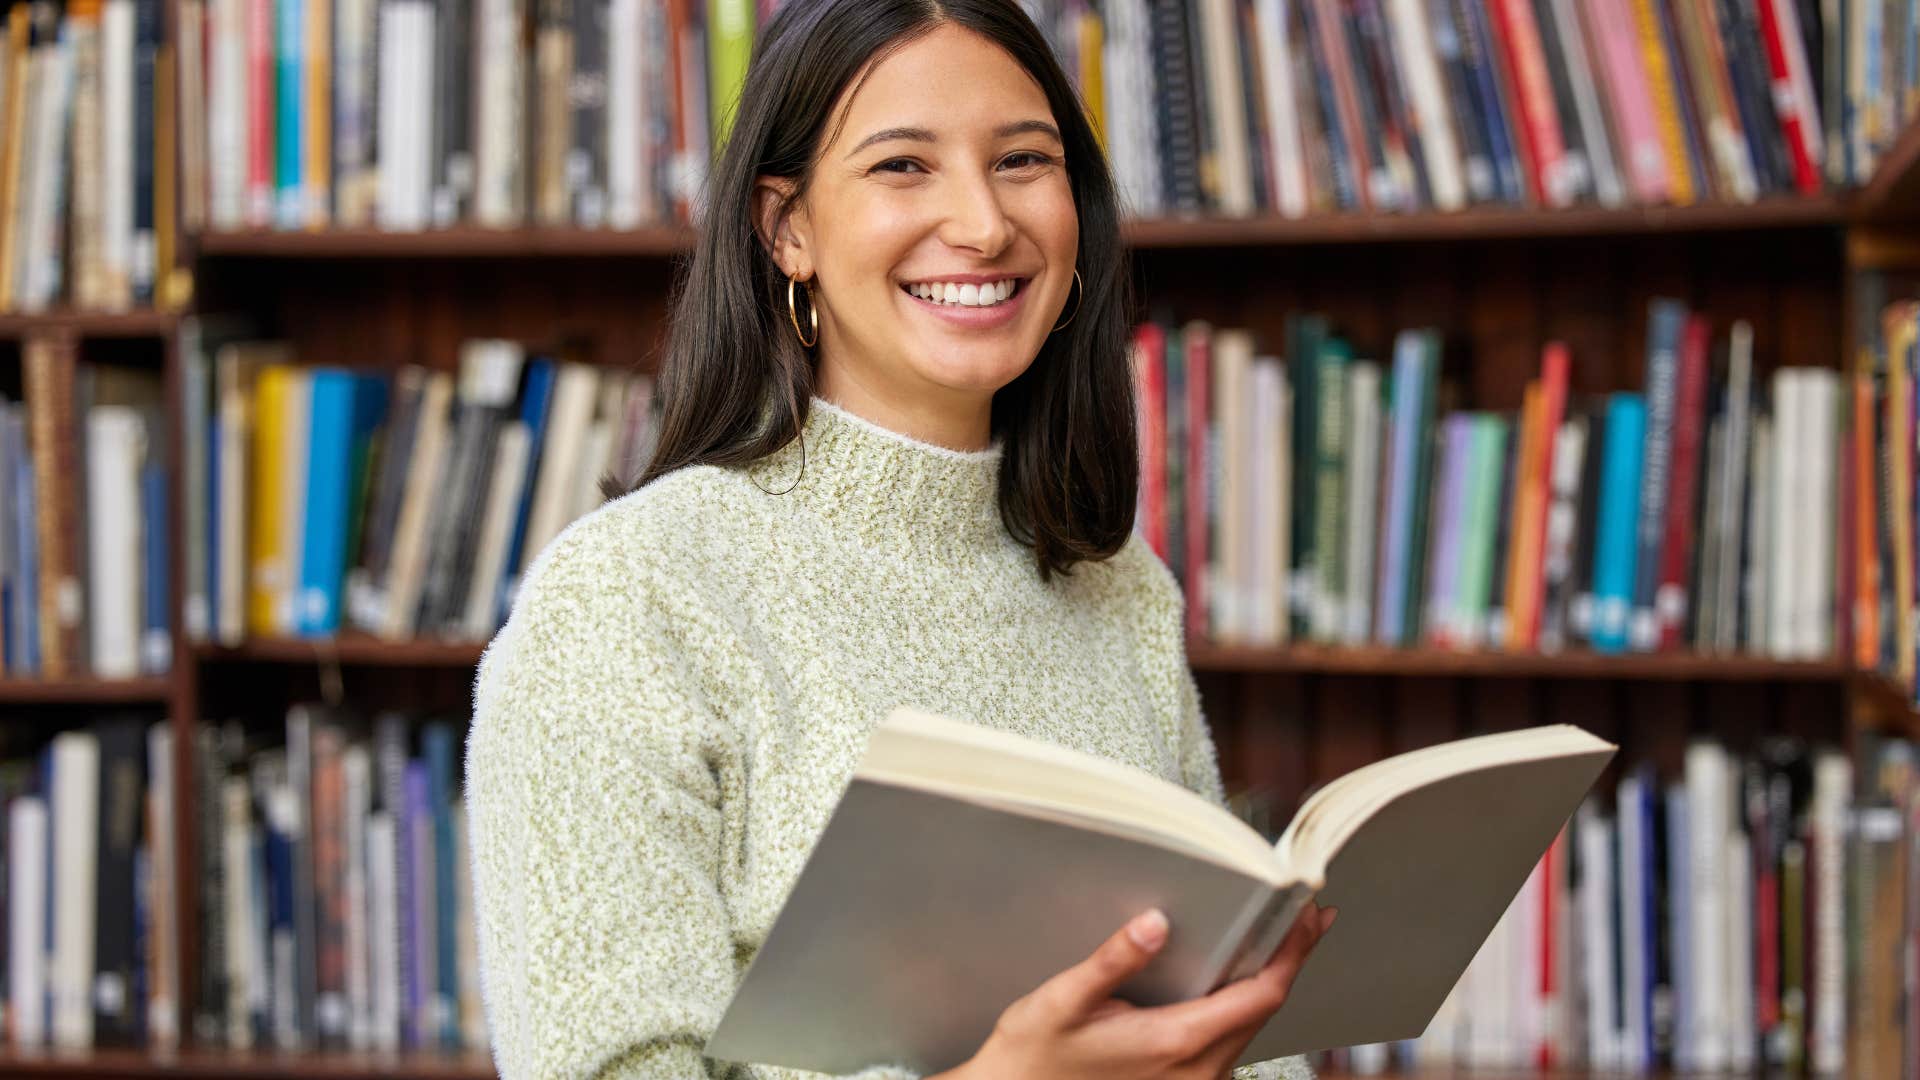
(1665, 320)
(289, 91)
(156, 643)
(436, 745)
(1478, 49)
(1410, 375)
(329, 461)
(535, 398)
(27, 603)
(285, 1010)
(417, 937)
(1613, 555)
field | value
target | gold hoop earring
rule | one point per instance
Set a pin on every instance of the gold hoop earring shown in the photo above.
(1076, 308)
(813, 314)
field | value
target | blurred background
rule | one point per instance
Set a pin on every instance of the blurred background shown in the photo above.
(1504, 362)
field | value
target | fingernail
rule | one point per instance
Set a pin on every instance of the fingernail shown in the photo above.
(1148, 929)
(1326, 923)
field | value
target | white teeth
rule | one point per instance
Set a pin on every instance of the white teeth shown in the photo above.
(969, 295)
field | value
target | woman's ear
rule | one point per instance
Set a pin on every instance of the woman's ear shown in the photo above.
(775, 226)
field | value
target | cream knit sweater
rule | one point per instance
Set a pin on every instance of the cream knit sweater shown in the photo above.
(686, 682)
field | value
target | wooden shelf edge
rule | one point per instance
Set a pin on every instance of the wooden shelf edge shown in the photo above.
(1892, 193)
(355, 649)
(473, 241)
(94, 324)
(137, 1064)
(1380, 660)
(85, 690)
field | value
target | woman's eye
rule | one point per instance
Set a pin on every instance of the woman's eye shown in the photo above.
(887, 166)
(1026, 159)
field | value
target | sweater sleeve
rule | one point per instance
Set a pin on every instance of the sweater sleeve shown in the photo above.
(605, 796)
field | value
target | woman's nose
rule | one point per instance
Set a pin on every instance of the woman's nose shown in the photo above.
(976, 219)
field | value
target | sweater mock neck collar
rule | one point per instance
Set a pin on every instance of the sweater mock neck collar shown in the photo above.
(885, 488)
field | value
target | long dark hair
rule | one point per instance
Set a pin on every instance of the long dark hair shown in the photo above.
(735, 383)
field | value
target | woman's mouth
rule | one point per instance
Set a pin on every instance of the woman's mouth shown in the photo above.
(969, 305)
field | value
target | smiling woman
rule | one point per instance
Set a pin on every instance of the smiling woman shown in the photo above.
(896, 467)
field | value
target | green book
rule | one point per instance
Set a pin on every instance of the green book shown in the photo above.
(1328, 584)
(1483, 510)
(729, 48)
(1304, 334)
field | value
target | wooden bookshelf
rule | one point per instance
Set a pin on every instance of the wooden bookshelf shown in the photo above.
(1893, 193)
(85, 690)
(357, 649)
(146, 323)
(476, 242)
(138, 1064)
(1316, 659)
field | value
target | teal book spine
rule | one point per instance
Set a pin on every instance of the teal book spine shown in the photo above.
(1614, 547)
(289, 133)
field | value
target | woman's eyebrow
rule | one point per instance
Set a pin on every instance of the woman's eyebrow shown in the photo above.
(920, 134)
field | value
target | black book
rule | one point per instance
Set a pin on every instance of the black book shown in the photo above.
(1503, 511)
(587, 101)
(119, 1015)
(1476, 160)
(393, 454)
(209, 994)
(1252, 85)
(146, 51)
(452, 125)
(1383, 187)
(1179, 110)
(1580, 606)
(1207, 148)
(1578, 163)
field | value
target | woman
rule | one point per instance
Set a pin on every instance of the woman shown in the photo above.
(896, 465)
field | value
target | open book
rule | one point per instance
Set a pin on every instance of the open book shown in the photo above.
(964, 866)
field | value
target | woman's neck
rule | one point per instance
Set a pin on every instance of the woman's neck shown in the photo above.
(957, 420)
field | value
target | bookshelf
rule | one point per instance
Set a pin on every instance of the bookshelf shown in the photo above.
(1499, 280)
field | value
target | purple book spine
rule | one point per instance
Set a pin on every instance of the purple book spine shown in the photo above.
(1448, 530)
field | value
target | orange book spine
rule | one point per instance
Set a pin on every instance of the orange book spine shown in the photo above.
(1866, 611)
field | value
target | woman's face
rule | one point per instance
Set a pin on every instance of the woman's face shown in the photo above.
(947, 172)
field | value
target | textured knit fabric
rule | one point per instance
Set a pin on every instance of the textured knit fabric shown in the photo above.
(686, 682)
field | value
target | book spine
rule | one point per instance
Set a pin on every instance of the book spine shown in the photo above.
(1199, 494)
(1614, 547)
(1665, 320)
(1674, 591)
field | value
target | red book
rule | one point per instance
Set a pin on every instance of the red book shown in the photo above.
(1556, 365)
(257, 205)
(1539, 127)
(1670, 600)
(1786, 70)
(1866, 590)
(1197, 476)
(1150, 377)
(1549, 913)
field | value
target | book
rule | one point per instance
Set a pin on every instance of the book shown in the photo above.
(996, 861)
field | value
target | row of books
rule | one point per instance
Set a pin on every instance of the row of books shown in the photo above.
(90, 913)
(408, 114)
(1881, 541)
(1742, 913)
(87, 157)
(403, 503)
(84, 535)
(334, 905)
(1328, 498)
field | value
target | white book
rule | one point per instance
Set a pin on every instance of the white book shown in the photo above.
(1419, 63)
(27, 899)
(402, 203)
(586, 479)
(1267, 575)
(1709, 788)
(556, 485)
(1827, 980)
(426, 915)
(117, 103)
(383, 932)
(163, 983)
(226, 162)
(76, 823)
(1813, 573)
(356, 771)
(1286, 150)
(1233, 417)
(1758, 604)
(627, 112)
(1595, 835)
(116, 438)
(406, 570)
(504, 495)
(1363, 492)
(499, 87)
(242, 917)
(1226, 106)
(41, 248)
(295, 424)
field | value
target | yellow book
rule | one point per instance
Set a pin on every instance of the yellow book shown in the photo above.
(10, 155)
(266, 546)
(1900, 331)
(1661, 89)
(319, 112)
(1093, 91)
